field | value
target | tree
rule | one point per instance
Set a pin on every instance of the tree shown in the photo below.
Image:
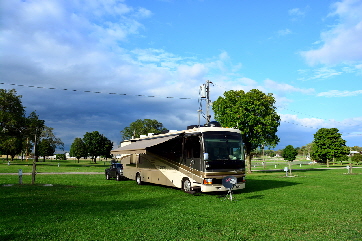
(45, 148)
(12, 122)
(142, 127)
(356, 158)
(328, 144)
(78, 149)
(307, 150)
(12, 146)
(49, 142)
(289, 154)
(356, 148)
(253, 113)
(34, 129)
(97, 145)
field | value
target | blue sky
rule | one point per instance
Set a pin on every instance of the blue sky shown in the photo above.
(307, 53)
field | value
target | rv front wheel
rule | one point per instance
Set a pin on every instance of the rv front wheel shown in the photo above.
(186, 185)
(138, 179)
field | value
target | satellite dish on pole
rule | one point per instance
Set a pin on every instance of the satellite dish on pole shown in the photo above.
(229, 182)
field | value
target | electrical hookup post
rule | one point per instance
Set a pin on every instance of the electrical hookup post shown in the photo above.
(20, 173)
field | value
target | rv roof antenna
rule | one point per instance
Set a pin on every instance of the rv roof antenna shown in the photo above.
(205, 94)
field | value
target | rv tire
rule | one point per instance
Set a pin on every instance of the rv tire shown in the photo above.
(138, 178)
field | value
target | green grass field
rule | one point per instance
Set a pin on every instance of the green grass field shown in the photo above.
(314, 205)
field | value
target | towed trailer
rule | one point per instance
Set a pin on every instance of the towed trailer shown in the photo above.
(196, 159)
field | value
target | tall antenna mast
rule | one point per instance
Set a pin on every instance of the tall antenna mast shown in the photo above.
(205, 94)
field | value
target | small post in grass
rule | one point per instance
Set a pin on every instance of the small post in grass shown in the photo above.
(20, 176)
(286, 171)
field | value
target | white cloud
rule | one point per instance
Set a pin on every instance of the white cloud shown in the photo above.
(296, 12)
(339, 93)
(323, 73)
(285, 88)
(284, 32)
(342, 43)
(193, 72)
(304, 122)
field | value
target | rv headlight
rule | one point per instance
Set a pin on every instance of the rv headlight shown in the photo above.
(208, 181)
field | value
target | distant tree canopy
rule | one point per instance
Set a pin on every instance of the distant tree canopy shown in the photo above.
(253, 113)
(357, 158)
(18, 133)
(142, 127)
(97, 145)
(78, 149)
(328, 144)
(290, 153)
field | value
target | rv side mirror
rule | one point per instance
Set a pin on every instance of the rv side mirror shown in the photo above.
(206, 156)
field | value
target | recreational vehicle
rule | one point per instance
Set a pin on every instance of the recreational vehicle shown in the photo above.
(196, 159)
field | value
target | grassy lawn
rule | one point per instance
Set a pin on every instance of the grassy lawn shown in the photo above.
(314, 205)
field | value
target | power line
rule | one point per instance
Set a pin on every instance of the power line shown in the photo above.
(98, 92)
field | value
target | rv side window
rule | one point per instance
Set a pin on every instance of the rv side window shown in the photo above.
(192, 147)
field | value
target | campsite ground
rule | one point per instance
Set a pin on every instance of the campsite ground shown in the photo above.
(312, 205)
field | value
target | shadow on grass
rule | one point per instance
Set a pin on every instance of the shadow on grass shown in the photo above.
(261, 185)
(42, 200)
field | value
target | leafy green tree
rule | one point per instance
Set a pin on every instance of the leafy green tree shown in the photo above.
(142, 127)
(45, 148)
(253, 113)
(50, 142)
(328, 145)
(12, 146)
(356, 158)
(12, 122)
(97, 145)
(34, 129)
(342, 159)
(290, 153)
(78, 149)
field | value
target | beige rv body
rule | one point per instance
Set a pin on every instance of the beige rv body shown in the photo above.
(155, 169)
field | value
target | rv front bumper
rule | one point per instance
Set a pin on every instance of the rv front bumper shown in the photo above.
(219, 187)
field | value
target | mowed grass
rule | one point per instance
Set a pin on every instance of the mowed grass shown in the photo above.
(314, 205)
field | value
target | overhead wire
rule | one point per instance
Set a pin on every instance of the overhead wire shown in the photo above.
(99, 92)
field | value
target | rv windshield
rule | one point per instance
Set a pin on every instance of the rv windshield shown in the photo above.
(223, 146)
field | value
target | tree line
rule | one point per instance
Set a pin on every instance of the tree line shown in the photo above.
(21, 134)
